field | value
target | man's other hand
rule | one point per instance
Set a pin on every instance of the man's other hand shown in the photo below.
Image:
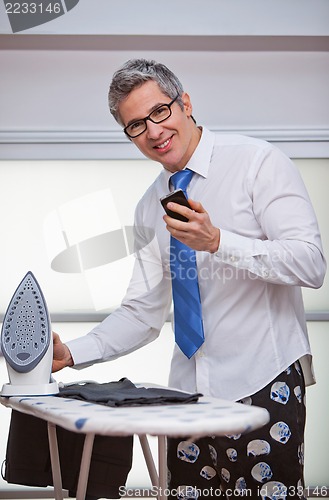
(61, 355)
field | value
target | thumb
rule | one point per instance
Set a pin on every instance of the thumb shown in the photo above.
(56, 338)
(196, 206)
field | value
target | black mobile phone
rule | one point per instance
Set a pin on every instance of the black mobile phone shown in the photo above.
(176, 196)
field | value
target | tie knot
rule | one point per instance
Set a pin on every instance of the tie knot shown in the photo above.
(181, 179)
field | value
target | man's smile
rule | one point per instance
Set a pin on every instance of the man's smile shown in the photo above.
(164, 145)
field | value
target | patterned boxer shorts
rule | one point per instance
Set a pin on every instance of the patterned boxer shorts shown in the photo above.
(264, 464)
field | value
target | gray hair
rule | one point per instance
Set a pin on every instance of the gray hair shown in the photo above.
(133, 74)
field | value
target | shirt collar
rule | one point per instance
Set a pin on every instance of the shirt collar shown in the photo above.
(200, 160)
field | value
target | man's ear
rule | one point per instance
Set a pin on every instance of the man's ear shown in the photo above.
(187, 104)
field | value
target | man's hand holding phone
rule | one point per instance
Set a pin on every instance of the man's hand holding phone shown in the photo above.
(189, 222)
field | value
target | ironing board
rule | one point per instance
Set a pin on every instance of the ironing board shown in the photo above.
(208, 416)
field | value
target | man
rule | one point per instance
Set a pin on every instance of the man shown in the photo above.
(256, 242)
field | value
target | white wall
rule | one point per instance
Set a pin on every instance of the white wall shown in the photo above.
(67, 90)
(216, 17)
(54, 103)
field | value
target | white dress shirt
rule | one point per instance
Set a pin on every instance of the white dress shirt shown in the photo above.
(250, 291)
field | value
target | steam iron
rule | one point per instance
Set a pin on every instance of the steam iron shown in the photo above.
(26, 342)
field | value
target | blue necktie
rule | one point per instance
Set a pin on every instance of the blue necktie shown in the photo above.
(188, 324)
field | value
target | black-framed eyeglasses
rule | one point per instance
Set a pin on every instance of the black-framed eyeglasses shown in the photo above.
(158, 115)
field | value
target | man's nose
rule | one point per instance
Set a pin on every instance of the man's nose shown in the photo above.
(154, 130)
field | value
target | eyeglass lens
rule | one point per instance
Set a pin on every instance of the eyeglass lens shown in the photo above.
(157, 116)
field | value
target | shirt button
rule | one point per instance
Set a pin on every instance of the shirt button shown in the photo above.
(233, 258)
(266, 273)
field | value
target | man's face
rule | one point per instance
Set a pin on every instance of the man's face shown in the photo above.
(171, 142)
